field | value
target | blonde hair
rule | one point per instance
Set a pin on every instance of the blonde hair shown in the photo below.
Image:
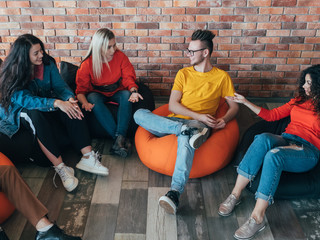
(98, 48)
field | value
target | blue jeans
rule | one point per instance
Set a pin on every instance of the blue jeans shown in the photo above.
(162, 126)
(275, 154)
(104, 115)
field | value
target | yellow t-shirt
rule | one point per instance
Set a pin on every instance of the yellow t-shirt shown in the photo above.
(201, 92)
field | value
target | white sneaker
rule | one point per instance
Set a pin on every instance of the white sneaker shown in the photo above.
(69, 181)
(92, 164)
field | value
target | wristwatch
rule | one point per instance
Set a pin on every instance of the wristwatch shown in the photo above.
(134, 91)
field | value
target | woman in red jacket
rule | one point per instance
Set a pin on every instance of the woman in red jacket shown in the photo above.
(106, 74)
(295, 150)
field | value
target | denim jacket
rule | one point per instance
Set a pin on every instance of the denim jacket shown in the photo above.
(39, 95)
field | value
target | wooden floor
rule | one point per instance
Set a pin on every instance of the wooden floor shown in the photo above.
(124, 205)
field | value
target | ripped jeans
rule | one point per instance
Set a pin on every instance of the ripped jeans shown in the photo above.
(275, 154)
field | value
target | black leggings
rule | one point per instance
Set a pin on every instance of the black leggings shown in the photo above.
(55, 130)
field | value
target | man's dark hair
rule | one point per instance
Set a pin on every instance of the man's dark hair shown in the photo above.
(205, 36)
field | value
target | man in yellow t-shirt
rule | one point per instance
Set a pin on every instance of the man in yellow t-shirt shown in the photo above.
(194, 99)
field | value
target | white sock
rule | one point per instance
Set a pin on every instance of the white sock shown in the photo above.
(44, 229)
(60, 165)
(87, 154)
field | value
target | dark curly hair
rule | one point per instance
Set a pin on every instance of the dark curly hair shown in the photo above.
(205, 36)
(314, 72)
(16, 69)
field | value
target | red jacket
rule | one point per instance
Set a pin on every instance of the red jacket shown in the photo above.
(120, 66)
(305, 123)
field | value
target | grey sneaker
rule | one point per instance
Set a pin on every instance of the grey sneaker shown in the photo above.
(120, 147)
(197, 131)
(69, 181)
(226, 208)
(249, 229)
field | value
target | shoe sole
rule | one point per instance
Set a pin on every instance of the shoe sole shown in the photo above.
(91, 170)
(239, 238)
(228, 214)
(197, 140)
(70, 189)
(167, 205)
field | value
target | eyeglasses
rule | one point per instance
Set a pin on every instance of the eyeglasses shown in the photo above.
(191, 52)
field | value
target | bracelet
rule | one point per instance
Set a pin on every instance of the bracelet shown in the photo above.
(134, 91)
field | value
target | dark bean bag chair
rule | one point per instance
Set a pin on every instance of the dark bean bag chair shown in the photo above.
(24, 147)
(292, 185)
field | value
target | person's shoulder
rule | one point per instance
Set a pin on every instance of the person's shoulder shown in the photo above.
(87, 62)
(220, 73)
(218, 70)
(119, 54)
(50, 65)
(187, 69)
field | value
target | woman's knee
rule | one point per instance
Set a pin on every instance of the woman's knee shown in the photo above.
(273, 158)
(34, 113)
(95, 97)
(123, 97)
(262, 137)
(266, 139)
(125, 94)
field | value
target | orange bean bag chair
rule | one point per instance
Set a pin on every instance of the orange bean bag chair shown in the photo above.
(159, 154)
(6, 207)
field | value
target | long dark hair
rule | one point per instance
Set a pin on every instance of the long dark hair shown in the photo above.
(314, 72)
(16, 70)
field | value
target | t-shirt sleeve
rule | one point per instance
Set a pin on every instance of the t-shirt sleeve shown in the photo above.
(228, 88)
(178, 82)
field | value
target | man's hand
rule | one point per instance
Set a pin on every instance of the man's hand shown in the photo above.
(220, 123)
(207, 119)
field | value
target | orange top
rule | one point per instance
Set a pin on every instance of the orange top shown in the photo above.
(120, 67)
(305, 123)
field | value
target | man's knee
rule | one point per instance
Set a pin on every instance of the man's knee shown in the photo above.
(139, 114)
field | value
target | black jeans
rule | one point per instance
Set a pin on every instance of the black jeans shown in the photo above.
(55, 130)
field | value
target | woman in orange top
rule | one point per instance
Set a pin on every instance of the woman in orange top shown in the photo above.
(295, 150)
(106, 74)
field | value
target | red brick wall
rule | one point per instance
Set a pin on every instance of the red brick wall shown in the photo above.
(263, 44)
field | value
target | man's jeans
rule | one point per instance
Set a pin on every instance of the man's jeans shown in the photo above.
(104, 115)
(162, 126)
(276, 153)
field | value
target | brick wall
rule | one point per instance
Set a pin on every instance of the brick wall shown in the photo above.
(263, 44)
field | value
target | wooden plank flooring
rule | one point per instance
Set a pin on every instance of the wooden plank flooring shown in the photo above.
(124, 205)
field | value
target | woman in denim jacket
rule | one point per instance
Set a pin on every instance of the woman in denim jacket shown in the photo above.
(295, 150)
(34, 96)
